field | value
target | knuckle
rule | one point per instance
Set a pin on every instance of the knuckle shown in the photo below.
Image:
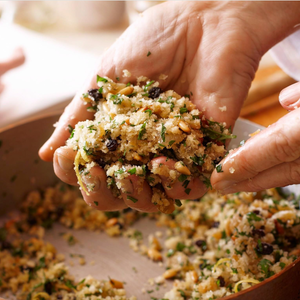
(254, 185)
(294, 172)
(247, 167)
(285, 147)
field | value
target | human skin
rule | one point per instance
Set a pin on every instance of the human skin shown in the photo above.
(211, 49)
(16, 59)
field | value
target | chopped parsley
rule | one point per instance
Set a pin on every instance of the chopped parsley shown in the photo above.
(148, 84)
(251, 216)
(219, 168)
(182, 178)
(70, 128)
(142, 131)
(171, 143)
(149, 111)
(121, 171)
(163, 131)
(264, 265)
(99, 78)
(178, 202)
(116, 99)
(187, 191)
(134, 200)
(198, 160)
(96, 203)
(183, 109)
(149, 53)
(132, 171)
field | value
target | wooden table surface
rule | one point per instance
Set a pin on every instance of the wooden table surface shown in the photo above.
(268, 115)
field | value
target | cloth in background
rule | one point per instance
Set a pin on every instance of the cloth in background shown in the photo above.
(287, 55)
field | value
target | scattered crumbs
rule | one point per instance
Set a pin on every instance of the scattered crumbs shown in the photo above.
(55, 124)
(13, 178)
(1, 143)
(143, 291)
(151, 281)
(92, 263)
(163, 77)
(149, 53)
(134, 269)
(126, 73)
(254, 133)
(69, 238)
(82, 261)
(160, 264)
(231, 170)
(71, 263)
(51, 148)
(231, 160)
(159, 234)
(223, 108)
(159, 280)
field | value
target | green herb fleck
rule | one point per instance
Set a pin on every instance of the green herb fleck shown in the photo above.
(178, 202)
(142, 131)
(149, 53)
(134, 200)
(183, 109)
(132, 171)
(171, 143)
(101, 79)
(163, 131)
(96, 203)
(219, 168)
(149, 111)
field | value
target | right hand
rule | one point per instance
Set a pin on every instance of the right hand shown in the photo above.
(211, 49)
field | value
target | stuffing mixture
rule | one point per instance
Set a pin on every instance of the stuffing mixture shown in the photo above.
(134, 124)
(212, 247)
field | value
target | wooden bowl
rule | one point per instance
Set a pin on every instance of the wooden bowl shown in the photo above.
(23, 171)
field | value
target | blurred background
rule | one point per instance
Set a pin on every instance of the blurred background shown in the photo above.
(62, 41)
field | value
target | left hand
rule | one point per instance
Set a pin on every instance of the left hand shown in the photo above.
(269, 159)
(17, 58)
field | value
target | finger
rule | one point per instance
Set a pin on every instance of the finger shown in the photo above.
(75, 112)
(63, 164)
(278, 176)
(289, 97)
(193, 189)
(279, 143)
(137, 194)
(16, 59)
(101, 196)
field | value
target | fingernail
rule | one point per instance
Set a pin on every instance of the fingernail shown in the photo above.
(64, 163)
(92, 182)
(290, 95)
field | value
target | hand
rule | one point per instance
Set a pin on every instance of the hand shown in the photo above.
(210, 49)
(17, 58)
(276, 163)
